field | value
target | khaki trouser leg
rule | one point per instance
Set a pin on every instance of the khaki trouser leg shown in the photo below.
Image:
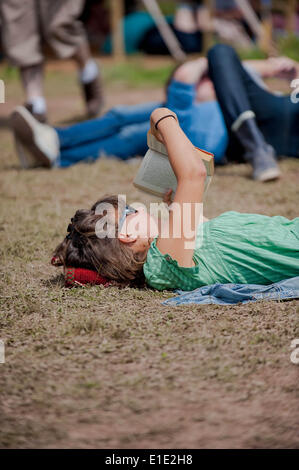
(20, 32)
(60, 26)
(25, 22)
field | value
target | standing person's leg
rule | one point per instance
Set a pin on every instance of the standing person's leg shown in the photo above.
(66, 35)
(32, 78)
(90, 80)
(243, 104)
(21, 42)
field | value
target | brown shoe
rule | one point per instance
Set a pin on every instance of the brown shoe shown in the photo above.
(93, 97)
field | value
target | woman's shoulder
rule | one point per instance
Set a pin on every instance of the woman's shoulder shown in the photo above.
(156, 269)
(162, 272)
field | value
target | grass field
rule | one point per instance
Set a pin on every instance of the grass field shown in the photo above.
(111, 368)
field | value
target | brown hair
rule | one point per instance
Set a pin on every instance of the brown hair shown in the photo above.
(83, 248)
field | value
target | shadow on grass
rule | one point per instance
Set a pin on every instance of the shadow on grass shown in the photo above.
(55, 281)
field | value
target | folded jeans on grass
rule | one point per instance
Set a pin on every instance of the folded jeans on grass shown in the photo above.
(230, 294)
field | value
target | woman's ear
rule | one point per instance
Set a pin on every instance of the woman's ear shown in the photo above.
(125, 238)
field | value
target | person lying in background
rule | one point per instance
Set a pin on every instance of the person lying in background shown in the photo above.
(122, 131)
(261, 125)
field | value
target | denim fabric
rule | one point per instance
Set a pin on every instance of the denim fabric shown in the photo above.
(122, 131)
(277, 116)
(230, 294)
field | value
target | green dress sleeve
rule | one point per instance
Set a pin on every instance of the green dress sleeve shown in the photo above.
(162, 272)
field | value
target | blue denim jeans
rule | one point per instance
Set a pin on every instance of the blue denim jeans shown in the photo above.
(277, 117)
(229, 294)
(120, 132)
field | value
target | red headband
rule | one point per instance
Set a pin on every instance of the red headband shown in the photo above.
(80, 276)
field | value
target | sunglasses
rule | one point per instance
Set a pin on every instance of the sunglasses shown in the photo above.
(128, 210)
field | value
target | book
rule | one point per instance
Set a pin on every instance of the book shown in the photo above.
(155, 174)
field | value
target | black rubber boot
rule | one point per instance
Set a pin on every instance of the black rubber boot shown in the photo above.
(258, 153)
(93, 97)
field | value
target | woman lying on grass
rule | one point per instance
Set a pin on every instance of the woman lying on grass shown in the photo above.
(234, 247)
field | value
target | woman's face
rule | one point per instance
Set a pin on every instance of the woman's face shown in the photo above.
(139, 229)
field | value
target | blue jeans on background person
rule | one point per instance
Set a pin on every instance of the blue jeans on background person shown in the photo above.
(277, 117)
(121, 132)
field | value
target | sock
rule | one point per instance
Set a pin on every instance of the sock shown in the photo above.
(89, 72)
(38, 104)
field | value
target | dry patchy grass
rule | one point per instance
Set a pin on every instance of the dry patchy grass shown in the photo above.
(107, 368)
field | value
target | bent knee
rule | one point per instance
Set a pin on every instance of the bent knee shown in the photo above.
(64, 37)
(220, 52)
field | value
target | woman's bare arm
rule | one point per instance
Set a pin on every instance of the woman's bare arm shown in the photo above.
(192, 71)
(283, 67)
(190, 173)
